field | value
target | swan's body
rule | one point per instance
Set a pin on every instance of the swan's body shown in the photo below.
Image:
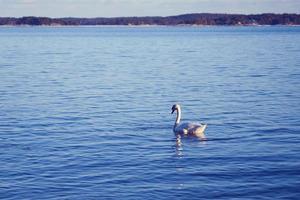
(196, 129)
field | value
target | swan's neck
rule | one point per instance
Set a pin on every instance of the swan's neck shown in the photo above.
(178, 117)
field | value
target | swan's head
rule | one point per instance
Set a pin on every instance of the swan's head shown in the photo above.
(175, 107)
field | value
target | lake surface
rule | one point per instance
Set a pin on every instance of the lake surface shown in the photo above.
(85, 112)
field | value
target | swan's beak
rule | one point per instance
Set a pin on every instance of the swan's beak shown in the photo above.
(172, 111)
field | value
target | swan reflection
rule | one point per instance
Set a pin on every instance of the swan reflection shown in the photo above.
(181, 139)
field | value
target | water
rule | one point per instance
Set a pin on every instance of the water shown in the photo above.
(85, 112)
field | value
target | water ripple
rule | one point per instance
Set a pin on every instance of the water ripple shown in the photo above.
(85, 112)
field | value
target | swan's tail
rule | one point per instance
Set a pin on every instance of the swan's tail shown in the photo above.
(200, 131)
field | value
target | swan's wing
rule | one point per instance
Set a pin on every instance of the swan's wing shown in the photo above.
(190, 128)
(185, 128)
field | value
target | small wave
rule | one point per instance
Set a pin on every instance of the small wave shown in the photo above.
(224, 139)
(275, 130)
(257, 75)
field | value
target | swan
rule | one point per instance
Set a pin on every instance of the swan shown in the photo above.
(196, 129)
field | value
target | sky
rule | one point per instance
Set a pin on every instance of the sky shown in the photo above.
(120, 8)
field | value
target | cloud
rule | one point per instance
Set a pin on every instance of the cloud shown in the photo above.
(28, 1)
(12, 2)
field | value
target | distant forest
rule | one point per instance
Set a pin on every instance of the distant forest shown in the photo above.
(187, 19)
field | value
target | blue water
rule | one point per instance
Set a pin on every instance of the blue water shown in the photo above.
(85, 112)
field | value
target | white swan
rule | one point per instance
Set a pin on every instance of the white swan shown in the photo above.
(187, 128)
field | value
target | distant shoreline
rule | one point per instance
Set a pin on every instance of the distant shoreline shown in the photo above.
(140, 26)
(196, 19)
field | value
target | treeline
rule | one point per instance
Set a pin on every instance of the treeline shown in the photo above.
(187, 19)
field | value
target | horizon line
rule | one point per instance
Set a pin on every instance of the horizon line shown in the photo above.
(207, 13)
